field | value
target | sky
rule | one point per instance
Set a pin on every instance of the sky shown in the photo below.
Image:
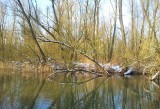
(106, 9)
(44, 3)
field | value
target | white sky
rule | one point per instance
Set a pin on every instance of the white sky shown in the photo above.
(43, 3)
(106, 9)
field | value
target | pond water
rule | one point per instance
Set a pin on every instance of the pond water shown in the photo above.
(32, 90)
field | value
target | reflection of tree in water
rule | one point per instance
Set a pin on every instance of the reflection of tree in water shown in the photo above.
(114, 93)
(100, 93)
(17, 91)
(91, 97)
(80, 78)
(31, 92)
(7, 87)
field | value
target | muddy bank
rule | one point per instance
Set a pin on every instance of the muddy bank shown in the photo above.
(77, 68)
(51, 70)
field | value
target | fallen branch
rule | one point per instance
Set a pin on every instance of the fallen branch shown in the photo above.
(72, 70)
(154, 76)
(79, 51)
(82, 53)
(66, 45)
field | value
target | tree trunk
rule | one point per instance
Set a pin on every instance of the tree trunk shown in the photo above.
(32, 31)
(114, 33)
(133, 26)
(122, 26)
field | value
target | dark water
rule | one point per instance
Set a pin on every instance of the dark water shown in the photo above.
(30, 90)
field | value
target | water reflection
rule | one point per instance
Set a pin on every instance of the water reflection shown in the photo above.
(33, 90)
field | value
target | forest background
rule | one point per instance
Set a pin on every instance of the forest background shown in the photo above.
(124, 32)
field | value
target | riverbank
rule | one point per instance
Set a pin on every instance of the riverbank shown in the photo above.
(78, 67)
(81, 71)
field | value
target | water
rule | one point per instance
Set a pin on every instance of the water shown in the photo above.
(33, 90)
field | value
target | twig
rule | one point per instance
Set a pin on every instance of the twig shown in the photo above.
(155, 76)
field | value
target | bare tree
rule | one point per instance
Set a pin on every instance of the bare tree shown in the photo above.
(2, 29)
(31, 28)
(152, 24)
(95, 29)
(114, 31)
(122, 25)
(132, 26)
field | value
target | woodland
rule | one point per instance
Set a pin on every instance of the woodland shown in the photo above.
(74, 35)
